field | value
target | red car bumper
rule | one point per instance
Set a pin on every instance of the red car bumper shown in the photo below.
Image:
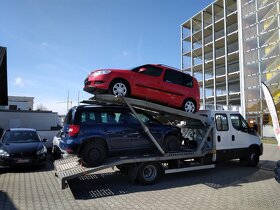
(99, 84)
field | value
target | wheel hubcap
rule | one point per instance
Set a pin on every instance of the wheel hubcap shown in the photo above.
(119, 89)
(150, 172)
(189, 106)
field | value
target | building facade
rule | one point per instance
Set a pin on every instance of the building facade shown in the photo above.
(231, 46)
(19, 103)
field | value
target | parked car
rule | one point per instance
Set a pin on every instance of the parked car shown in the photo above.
(157, 83)
(55, 149)
(95, 132)
(21, 147)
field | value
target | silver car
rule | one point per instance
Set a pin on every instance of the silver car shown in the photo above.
(55, 150)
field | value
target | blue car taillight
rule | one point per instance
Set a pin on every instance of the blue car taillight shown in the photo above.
(73, 130)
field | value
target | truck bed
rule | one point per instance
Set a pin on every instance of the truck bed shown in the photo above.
(71, 167)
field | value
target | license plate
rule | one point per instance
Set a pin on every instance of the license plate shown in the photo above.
(22, 161)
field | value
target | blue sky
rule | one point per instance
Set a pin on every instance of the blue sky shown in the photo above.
(53, 44)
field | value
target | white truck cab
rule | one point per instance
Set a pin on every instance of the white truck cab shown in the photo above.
(233, 138)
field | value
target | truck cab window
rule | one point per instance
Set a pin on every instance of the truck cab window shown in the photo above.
(221, 122)
(239, 123)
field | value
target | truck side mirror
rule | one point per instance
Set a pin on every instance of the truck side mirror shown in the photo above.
(255, 127)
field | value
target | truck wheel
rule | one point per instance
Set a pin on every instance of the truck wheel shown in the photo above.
(171, 143)
(148, 173)
(120, 88)
(93, 154)
(252, 159)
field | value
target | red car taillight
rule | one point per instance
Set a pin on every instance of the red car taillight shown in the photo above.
(73, 130)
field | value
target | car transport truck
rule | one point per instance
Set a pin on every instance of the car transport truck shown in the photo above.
(209, 136)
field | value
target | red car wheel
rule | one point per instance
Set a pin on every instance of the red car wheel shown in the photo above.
(120, 88)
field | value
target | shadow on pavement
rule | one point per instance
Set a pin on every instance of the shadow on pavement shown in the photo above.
(6, 202)
(225, 174)
(267, 164)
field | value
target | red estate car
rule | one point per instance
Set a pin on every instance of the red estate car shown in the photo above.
(153, 82)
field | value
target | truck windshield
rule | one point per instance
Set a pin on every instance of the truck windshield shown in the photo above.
(239, 123)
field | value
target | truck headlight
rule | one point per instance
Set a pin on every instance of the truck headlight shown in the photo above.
(3, 153)
(42, 151)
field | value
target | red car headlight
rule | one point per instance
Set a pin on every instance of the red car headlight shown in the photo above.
(99, 72)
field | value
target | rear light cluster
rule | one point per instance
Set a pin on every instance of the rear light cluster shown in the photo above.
(73, 130)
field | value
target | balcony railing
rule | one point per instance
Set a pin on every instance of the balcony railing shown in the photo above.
(249, 8)
(233, 67)
(268, 24)
(250, 32)
(208, 39)
(251, 56)
(232, 28)
(232, 47)
(219, 34)
(231, 8)
(218, 16)
(270, 51)
(208, 56)
(263, 3)
(220, 52)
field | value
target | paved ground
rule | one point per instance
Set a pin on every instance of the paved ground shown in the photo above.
(228, 186)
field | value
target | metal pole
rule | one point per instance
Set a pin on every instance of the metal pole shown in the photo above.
(146, 129)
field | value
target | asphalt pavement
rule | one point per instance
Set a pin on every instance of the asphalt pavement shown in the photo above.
(228, 186)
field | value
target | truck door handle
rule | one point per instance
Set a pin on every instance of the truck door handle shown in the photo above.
(233, 138)
(219, 138)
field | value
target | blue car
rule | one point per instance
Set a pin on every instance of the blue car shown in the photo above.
(95, 132)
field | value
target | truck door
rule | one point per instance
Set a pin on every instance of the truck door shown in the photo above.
(223, 137)
(222, 131)
(240, 131)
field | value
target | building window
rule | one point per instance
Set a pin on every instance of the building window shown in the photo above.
(12, 107)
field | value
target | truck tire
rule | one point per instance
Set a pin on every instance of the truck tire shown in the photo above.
(252, 159)
(171, 144)
(148, 173)
(93, 154)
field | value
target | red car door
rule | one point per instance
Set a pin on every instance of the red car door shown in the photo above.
(174, 92)
(148, 82)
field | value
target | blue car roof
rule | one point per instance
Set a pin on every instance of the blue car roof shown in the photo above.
(22, 129)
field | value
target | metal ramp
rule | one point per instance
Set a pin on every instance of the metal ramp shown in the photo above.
(191, 119)
(70, 168)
